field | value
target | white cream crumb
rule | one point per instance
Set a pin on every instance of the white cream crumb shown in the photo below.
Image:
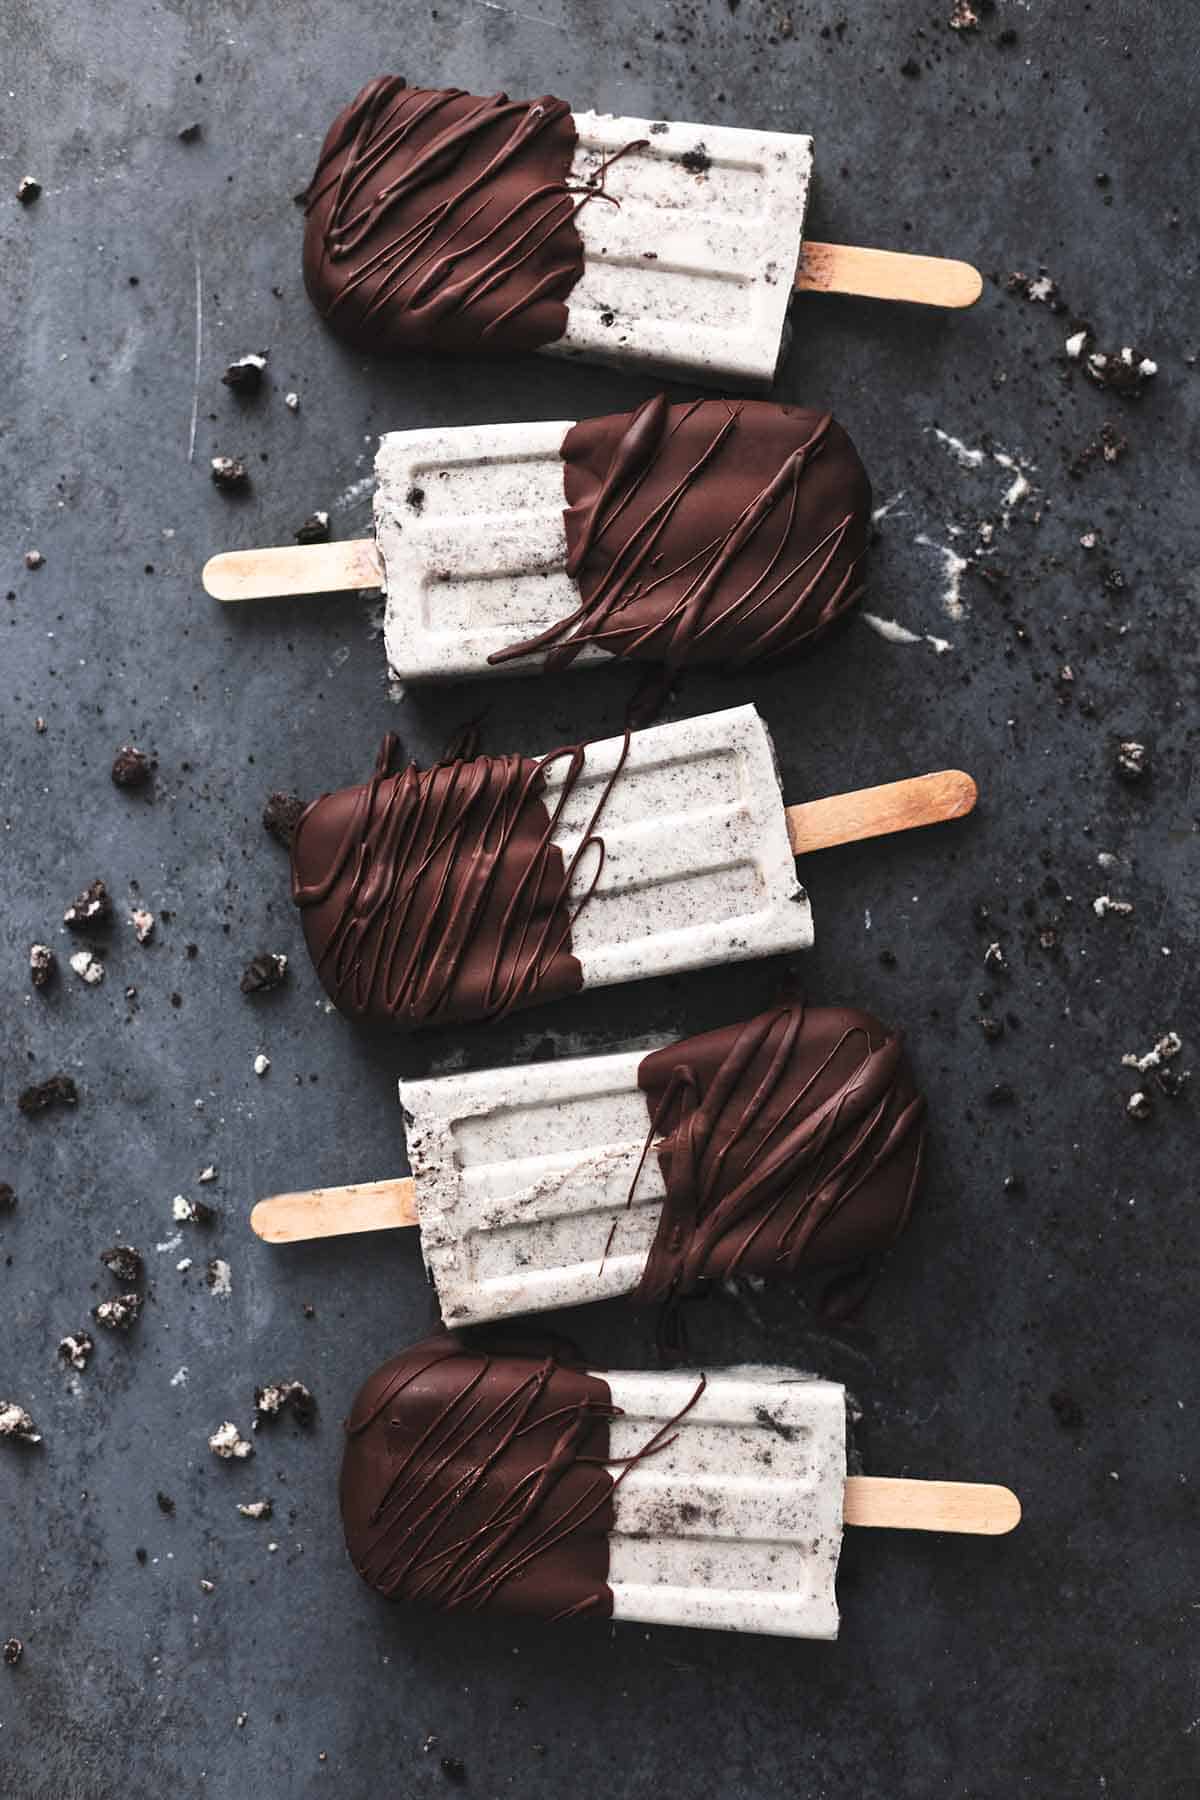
(228, 1443)
(89, 968)
(261, 1064)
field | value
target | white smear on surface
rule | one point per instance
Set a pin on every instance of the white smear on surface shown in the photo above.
(169, 1244)
(962, 453)
(191, 455)
(867, 918)
(881, 512)
(220, 1278)
(355, 494)
(954, 567)
(895, 633)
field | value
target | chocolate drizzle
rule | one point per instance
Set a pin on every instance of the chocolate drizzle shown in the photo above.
(793, 1141)
(436, 895)
(726, 533)
(474, 1479)
(438, 219)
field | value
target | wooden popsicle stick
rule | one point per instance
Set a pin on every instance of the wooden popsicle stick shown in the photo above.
(875, 811)
(293, 569)
(887, 275)
(336, 1212)
(971, 1506)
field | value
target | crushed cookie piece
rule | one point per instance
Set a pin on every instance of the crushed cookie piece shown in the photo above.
(228, 1443)
(190, 134)
(56, 1090)
(993, 957)
(88, 966)
(124, 1264)
(281, 1396)
(219, 1277)
(1104, 904)
(118, 1314)
(34, 559)
(256, 1509)
(191, 1212)
(261, 1064)
(76, 1348)
(1039, 288)
(143, 922)
(281, 815)
(42, 965)
(1132, 761)
(165, 1504)
(91, 910)
(263, 973)
(131, 768)
(245, 375)
(1140, 1105)
(28, 189)
(16, 1423)
(292, 402)
(230, 474)
(12, 1652)
(315, 529)
(963, 17)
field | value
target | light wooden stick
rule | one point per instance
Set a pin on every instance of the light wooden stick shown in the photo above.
(972, 1506)
(336, 1212)
(873, 812)
(887, 275)
(293, 569)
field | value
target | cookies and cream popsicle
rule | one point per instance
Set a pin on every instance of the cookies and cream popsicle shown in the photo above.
(483, 1479)
(783, 1145)
(487, 883)
(442, 220)
(724, 534)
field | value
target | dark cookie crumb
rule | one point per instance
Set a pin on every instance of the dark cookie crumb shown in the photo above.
(315, 529)
(696, 161)
(1140, 1106)
(34, 559)
(415, 498)
(264, 973)
(230, 474)
(91, 910)
(124, 1264)
(13, 1651)
(1107, 446)
(271, 1401)
(56, 1090)
(118, 1314)
(43, 965)
(132, 768)
(8, 1198)
(281, 815)
(911, 68)
(165, 1504)
(16, 1423)
(76, 1348)
(190, 134)
(28, 190)
(1132, 760)
(192, 1212)
(1039, 288)
(963, 17)
(245, 375)
(1066, 1410)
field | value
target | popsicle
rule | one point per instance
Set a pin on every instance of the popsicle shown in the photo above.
(441, 220)
(479, 1479)
(730, 534)
(786, 1144)
(488, 883)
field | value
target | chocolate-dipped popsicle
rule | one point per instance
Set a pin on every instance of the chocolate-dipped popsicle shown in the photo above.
(488, 883)
(480, 1479)
(441, 220)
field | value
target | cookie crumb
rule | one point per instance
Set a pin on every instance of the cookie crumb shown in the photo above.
(1104, 904)
(92, 910)
(256, 1509)
(131, 768)
(12, 1653)
(34, 559)
(281, 815)
(219, 1277)
(228, 1443)
(8, 1198)
(88, 967)
(56, 1090)
(191, 1212)
(165, 1504)
(190, 134)
(281, 1396)
(118, 1314)
(16, 1423)
(963, 17)
(1132, 761)
(76, 1349)
(42, 965)
(261, 1064)
(124, 1264)
(143, 922)
(29, 189)
(315, 529)
(245, 375)
(292, 402)
(263, 973)
(230, 474)
(1140, 1106)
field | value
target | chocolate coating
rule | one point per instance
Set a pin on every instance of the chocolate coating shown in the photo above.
(440, 220)
(727, 533)
(436, 895)
(473, 1479)
(790, 1142)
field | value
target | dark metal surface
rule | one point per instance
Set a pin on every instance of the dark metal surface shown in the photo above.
(1041, 1334)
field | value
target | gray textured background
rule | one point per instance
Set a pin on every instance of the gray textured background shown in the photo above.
(1061, 1661)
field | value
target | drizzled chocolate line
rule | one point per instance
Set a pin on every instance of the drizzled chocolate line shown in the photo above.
(474, 1479)
(719, 532)
(438, 219)
(439, 894)
(791, 1141)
